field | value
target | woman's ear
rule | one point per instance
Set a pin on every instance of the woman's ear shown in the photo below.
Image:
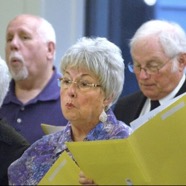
(107, 101)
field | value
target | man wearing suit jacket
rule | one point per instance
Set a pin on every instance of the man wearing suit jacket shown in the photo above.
(158, 50)
(12, 144)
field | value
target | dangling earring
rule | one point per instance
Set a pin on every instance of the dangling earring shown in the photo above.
(103, 117)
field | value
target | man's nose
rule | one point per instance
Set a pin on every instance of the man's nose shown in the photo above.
(143, 73)
(14, 43)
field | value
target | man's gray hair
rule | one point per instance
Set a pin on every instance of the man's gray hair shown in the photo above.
(171, 36)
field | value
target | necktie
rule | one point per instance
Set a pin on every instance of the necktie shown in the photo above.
(154, 104)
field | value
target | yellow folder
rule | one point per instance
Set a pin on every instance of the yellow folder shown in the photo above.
(155, 153)
(63, 172)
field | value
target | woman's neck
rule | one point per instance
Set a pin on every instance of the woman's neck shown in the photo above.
(79, 133)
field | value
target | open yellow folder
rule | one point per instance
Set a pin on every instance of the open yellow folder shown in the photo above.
(154, 154)
(63, 172)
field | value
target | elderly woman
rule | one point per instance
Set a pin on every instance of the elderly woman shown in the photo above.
(12, 144)
(93, 77)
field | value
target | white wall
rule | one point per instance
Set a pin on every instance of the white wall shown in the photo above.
(67, 17)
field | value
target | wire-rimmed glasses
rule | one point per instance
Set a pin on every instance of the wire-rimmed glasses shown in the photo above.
(82, 85)
(149, 68)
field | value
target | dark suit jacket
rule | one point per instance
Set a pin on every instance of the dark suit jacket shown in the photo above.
(129, 107)
(12, 145)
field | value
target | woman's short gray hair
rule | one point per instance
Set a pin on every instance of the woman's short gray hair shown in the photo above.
(171, 36)
(103, 58)
(4, 80)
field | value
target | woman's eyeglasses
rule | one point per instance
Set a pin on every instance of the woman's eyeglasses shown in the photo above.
(82, 85)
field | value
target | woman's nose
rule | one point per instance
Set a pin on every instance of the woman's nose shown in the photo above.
(72, 90)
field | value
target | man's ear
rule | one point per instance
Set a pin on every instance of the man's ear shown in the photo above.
(51, 50)
(182, 60)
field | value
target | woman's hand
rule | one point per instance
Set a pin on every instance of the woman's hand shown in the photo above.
(83, 180)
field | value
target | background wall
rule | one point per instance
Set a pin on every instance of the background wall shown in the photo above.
(115, 19)
(119, 19)
(172, 11)
(67, 17)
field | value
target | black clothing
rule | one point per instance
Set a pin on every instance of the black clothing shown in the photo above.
(12, 145)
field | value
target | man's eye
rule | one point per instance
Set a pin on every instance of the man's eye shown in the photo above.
(25, 37)
(137, 66)
(152, 66)
(9, 39)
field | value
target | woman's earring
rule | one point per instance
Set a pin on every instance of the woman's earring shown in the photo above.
(103, 117)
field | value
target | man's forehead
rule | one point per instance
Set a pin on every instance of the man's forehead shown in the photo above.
(24, 21)
(23, 25)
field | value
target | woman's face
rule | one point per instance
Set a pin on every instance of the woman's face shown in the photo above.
(81, 104)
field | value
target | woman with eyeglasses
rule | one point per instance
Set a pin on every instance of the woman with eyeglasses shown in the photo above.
(92, 81)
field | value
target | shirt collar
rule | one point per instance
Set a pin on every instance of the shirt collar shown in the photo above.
(95, 132)
(50, 92)
(170, 96)
(174, 92)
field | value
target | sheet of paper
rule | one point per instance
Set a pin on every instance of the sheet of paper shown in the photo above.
(63, 172)
(48, 129)
(161, 144)
(143, 119)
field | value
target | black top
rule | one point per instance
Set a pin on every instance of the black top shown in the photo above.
(12, 146)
